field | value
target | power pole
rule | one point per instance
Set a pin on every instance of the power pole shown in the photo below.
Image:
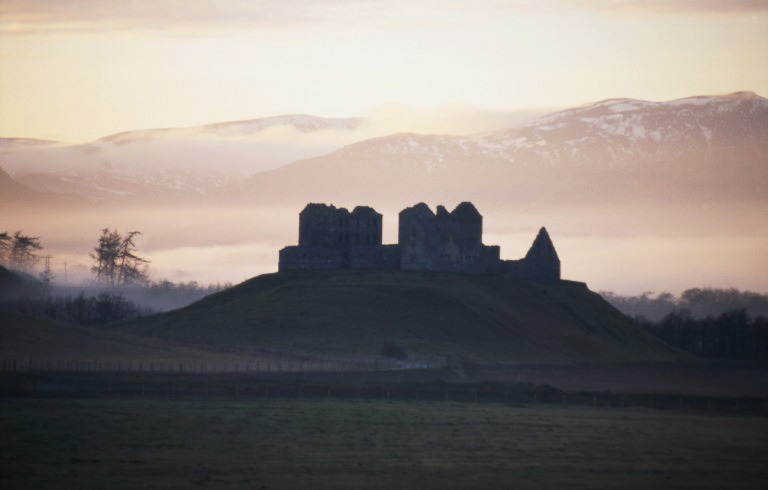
(65, 273)
(47, 276)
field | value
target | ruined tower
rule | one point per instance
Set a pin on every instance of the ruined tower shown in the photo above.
(445, 241)
(327, 226)
(334, 238)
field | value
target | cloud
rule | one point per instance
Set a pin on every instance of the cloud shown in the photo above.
(31, 16)
(199, 16)
(675, 6)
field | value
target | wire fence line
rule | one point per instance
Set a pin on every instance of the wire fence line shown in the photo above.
(278, 364)
(239, 387)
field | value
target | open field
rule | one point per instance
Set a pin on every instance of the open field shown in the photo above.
(318, 443)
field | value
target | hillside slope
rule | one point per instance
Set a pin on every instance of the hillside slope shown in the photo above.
(26, 337)
(482, 317)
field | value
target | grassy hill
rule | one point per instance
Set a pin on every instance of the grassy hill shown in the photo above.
(487, 318)
(26, 337)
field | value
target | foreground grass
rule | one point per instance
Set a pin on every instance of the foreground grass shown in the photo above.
(371, 444)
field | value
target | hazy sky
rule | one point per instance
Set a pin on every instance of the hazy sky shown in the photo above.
(79, 69)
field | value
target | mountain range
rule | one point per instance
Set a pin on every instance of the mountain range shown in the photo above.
(695, 149)
(172, 164)
(698, 149)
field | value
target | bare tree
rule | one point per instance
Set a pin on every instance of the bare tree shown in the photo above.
(5, 247)
(106, 255)
(22, 255)
(132, 268)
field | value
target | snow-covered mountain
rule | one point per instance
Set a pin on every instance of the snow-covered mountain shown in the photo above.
(173, 163)
(13, 193)
(698, 148)
(630, 132)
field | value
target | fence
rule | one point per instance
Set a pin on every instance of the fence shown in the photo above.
(228, 386)
(276, 364)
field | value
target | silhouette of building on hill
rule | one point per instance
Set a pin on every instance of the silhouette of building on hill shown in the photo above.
(335, 238)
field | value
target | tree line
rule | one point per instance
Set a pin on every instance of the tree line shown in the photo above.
(105, 307)
(733, 334)
(700, 302)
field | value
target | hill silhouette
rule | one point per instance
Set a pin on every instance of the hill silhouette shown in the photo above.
(487, 318)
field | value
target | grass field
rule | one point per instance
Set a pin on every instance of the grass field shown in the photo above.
(274, 444)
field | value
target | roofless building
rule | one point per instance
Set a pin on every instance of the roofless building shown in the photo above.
(335, 238)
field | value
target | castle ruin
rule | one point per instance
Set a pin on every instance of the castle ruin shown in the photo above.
(335, 238)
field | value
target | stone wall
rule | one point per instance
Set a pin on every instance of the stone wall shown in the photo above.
(363, 257)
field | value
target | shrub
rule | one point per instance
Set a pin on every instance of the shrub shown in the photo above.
(393, 350)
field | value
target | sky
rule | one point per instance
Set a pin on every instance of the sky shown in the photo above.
(77, 70)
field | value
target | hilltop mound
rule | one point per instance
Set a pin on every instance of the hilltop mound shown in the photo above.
(488, 318)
